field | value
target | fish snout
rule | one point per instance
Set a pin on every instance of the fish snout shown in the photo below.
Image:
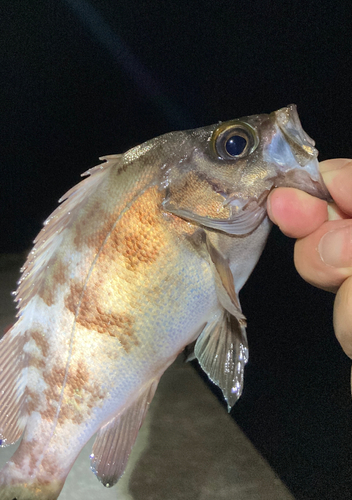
(298, 159)
(307, 178)
(290, 125)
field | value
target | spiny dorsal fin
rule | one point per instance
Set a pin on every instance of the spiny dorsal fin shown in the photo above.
(115, 440)
(50, 237)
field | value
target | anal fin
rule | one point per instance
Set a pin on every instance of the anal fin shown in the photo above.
(115, 440)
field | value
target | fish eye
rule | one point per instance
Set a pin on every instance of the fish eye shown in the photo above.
(234, 140)
(235, 145)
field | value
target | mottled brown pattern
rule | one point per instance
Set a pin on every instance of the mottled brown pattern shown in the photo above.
(26, 449)
(33, 401)
(140, 234)
(93, 316)
(80, 396)
(39, 361)
(49, 466)
(77, 379)
(83, 230)
(41, 341)
(54, 378)
(74, 296)
(135, 243)
(79, 393)
(56, 275)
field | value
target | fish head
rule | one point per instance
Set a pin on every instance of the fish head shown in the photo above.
(226, 171)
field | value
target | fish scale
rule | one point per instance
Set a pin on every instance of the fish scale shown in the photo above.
(143, 257)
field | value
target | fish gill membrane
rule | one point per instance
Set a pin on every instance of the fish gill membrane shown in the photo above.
(143, 257)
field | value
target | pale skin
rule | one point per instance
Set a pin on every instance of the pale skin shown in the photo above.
(323, 250)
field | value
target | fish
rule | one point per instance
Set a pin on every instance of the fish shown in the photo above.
(145, 256)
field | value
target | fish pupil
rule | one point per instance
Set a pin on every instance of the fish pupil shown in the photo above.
(235, 145)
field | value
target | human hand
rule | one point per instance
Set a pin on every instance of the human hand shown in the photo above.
(323, 250)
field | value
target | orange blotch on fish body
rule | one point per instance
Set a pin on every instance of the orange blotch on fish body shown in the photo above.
(76, 398)
(92, 313)
(25, 450)
(56, 275)
(139, 237)
(41, 341)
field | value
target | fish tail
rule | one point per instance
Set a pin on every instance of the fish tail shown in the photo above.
(12, 488)
(25, 492)
(30, 475)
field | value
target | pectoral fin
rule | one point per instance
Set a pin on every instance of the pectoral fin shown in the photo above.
(115, 440)
(222, 348)
(222, 352)
(225, 283)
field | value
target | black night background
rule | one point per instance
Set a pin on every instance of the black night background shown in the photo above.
(85, 78)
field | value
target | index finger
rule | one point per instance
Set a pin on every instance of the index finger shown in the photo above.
(299, 214)
(295, 212)
(337, 175)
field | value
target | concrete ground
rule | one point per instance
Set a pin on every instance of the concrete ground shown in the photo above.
(187, 449)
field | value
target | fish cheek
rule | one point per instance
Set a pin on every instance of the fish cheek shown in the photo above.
(199, 195)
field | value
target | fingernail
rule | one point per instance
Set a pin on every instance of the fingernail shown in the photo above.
(335, 247)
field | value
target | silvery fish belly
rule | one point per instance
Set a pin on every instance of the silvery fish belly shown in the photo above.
(143, 257)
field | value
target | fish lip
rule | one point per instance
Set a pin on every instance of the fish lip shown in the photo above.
(303, 180)
(290, 125)
(306, 175)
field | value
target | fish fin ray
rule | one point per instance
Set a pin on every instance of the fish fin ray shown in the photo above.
(12, 387)
(49, 239)
(244, 222)
(222, 352)
(115, 440)
(224, 282)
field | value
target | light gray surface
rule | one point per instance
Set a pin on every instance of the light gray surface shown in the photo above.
(188, 448)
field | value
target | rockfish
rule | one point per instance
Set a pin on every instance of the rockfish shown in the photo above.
(142, 258)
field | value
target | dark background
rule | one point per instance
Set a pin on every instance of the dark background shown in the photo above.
(80, 79)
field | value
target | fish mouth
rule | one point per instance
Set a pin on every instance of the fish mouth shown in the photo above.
(290, 125)
(306, 176)
(305, 181)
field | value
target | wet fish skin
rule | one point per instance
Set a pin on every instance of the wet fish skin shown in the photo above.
(143, 257)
